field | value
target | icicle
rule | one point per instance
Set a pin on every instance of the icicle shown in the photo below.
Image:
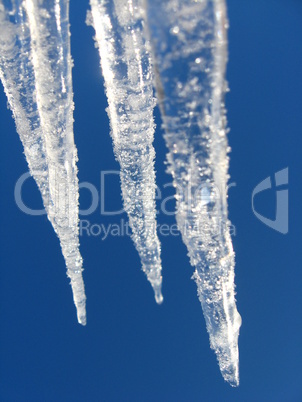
(35, 69)
(190, 52)
(127, 73)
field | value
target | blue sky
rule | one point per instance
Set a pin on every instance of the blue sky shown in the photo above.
(131, 348)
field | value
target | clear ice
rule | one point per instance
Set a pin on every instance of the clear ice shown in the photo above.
(189, 46)
(127, 72)
(35, 70)
(188, 43)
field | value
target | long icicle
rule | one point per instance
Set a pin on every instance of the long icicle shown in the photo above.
(126, 68)
(35, 69)
(189, 46)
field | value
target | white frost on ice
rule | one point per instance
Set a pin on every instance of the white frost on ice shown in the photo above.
(127, 72)
(189, 47)
(35, 69)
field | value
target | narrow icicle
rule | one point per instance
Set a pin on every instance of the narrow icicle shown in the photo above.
(126, 68)
(189, 46)
(35, 69)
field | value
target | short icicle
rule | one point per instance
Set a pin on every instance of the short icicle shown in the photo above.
(127, 72)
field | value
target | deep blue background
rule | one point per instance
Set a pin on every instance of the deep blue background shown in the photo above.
(131, 348)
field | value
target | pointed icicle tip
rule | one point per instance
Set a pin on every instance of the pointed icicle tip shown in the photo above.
(81, 312)
(158, 296)
(82, 319)
(232, 377)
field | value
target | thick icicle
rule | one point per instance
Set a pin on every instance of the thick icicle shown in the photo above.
(190, 52)
(35, 69)
(125, 63)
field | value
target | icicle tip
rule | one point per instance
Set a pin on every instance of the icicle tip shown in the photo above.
(82, 319)
(158, 296)
(232, 378)
(81, 313)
